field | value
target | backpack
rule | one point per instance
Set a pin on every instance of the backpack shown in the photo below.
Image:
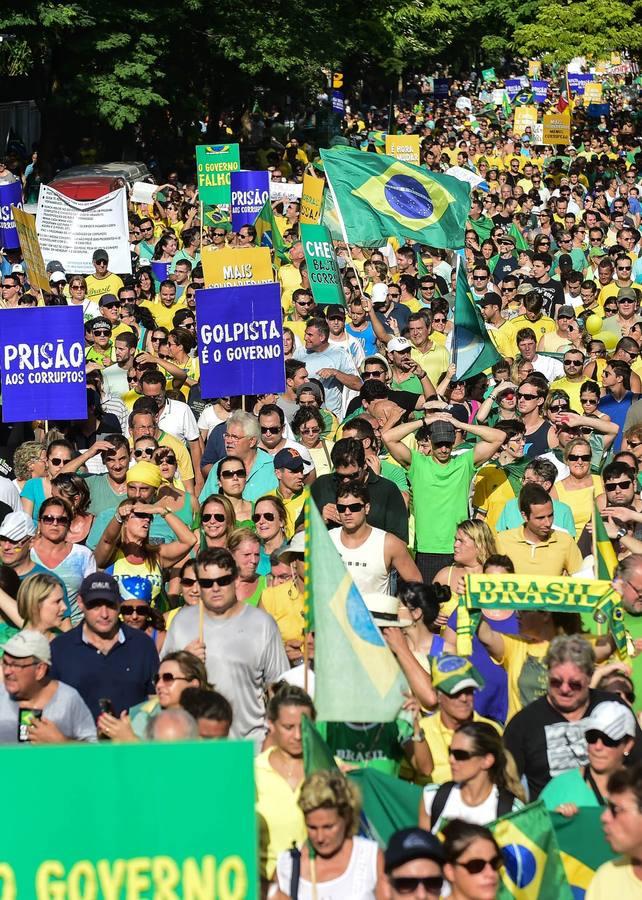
(505, 801)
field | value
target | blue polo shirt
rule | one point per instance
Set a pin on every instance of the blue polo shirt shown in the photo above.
(125, 675)
(261, 479)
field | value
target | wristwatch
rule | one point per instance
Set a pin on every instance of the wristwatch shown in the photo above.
(166, 511)
(620, 534)
(419, 738)
(118, 517)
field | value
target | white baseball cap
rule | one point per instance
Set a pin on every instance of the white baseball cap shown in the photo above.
(612, 718)
(29, 643)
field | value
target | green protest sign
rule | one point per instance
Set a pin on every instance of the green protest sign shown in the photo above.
(113, 834)
(321, 260)
(214, 163)
(489, 75)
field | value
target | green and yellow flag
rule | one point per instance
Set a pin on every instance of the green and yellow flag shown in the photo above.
(268, 234)
(380, 197)
(605, 558)
(473, 350)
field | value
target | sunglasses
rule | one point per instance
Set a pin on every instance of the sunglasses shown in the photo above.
(111, 305)
(349, 507)
(169, 459)
(376, 374)
(157, 338)
(222, 581)
(169, 678)
(217, 517)
(271, 429)
(56, 461)
(234, 473)
(310, 431)
(573, 684)
(132, 379)
(142, 611)
(98, 602)
(46, 519)
(522, 396)
(579, 457)
(189, 582)
(559, 409)
(593, 400)
(614, 485)
(142, 515)
(593, 736)
(461, 755)
(477, 866)
(408, 884)
(268, 516)
(102, 332)
(144, 451)
(573, 362)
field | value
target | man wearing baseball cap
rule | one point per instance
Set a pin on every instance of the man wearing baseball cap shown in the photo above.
(16, 537)
(34, 706)
(110, 664)
(413, 864)
(289, 470)
(102, 281)
(339, 337)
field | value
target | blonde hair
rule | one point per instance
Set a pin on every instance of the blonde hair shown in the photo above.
(239, 535)
(32, 593)
(481, 536)
(332, 790)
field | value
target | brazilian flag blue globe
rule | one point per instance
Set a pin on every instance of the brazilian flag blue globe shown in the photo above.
(378, 197)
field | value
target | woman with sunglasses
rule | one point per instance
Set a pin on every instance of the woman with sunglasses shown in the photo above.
(178, 671)
(144, 448)
(74, 490)
(499, 406)
(590, 395)
(246, 550)
(41, 603)
(308, 426)
(78, 297)
(473, 861)
(485, 781)
(171, 492)
(124, 549)
(217, 522)
(53, 550)
(135, 611)
(36, 490)
(579, 489)
(270, 520)
(232, 477)
(610, 735)
(190, 591)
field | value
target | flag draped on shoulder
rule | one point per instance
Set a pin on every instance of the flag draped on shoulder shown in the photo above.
(532, 866)
(380, 197)
(268, 234)
(357, 678)
(474, 350)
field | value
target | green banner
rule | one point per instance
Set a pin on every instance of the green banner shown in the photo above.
(214, 163)
(559, 594)
(323, 271)
(114, 832)
(488, 75)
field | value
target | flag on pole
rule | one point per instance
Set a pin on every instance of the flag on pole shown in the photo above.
(532, 866)
(317, 755)
(473, 349)
(357, 678)
(507, 109)
(604, 555)
(268, 234)
(380, 197)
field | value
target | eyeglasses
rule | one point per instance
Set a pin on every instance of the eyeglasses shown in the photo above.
(579, 457)
(16, 665)
(349, 507)
(479, 277)
(234, 473)
(522, 396)
(46, 519)
(271, 429)
(477, 866)
(614, 485)
(169, 678)
(56, 461)
(573, 684)
(462, 755)
(142, 515)
(76, 287)
(559, 408)
(142, 611)
(102, 332)
(593, 736)
(218, 517)
(221, 581)
(432, 884)
(233, 437)
(100, 601)
(169, 458)
(268, 516)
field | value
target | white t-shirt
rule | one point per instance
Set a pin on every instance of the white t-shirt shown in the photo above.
(455, 807)
(178, 420)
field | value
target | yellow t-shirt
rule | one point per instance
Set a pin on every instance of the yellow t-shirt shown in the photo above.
(492, 492)
(285, 604)
(527, 675)
(556, 556)
(279, 815)
(96, 287)
(439, 739)
(572, 388)
(543, 325)
(164, 315)
(434, 362)
(615, 878)
(290, 279)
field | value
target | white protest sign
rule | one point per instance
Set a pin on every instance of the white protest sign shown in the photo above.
(282, 190)
(537, 133)
(71, 230)
(466, 175)
(142, 192)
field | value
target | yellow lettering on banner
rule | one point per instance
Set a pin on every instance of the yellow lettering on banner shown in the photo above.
(404, 147)
(138, 880)
(199, 883)
(231, 267)
(165, 877)
(82, 883)
(311, 199)
(8, 882)
(231, 880)
(45, 890)
(111, 876)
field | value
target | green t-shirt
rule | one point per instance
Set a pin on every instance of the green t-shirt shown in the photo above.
(569, 787)
(395, 474)
(412, 385)
(372, 745)
(442, 489)
(102, 494)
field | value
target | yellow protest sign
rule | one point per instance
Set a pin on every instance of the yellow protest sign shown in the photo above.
(593, 92)
(616, 59)
(525, 117)
(557, 128)
(31, 252)
(311, 199)
(404, 147)
(534, 68)
(235, 268)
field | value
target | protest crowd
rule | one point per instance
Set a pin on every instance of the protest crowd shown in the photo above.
(375, 507)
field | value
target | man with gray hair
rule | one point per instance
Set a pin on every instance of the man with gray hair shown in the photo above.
(547, 737)
(241, 439)
(172, 725)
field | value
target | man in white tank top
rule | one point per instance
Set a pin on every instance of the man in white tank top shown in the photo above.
(368, 553)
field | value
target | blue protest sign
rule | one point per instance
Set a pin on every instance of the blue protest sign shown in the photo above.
(43, 363)
(595, 110)
(540, 90)
(577, 80)
(160, 270)
(250, 191)
(240, 340)
(338, 102)
(513, 86)
(10, 195)
(441, 87)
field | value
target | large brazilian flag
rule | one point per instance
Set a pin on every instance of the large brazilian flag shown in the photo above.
(379, 197)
